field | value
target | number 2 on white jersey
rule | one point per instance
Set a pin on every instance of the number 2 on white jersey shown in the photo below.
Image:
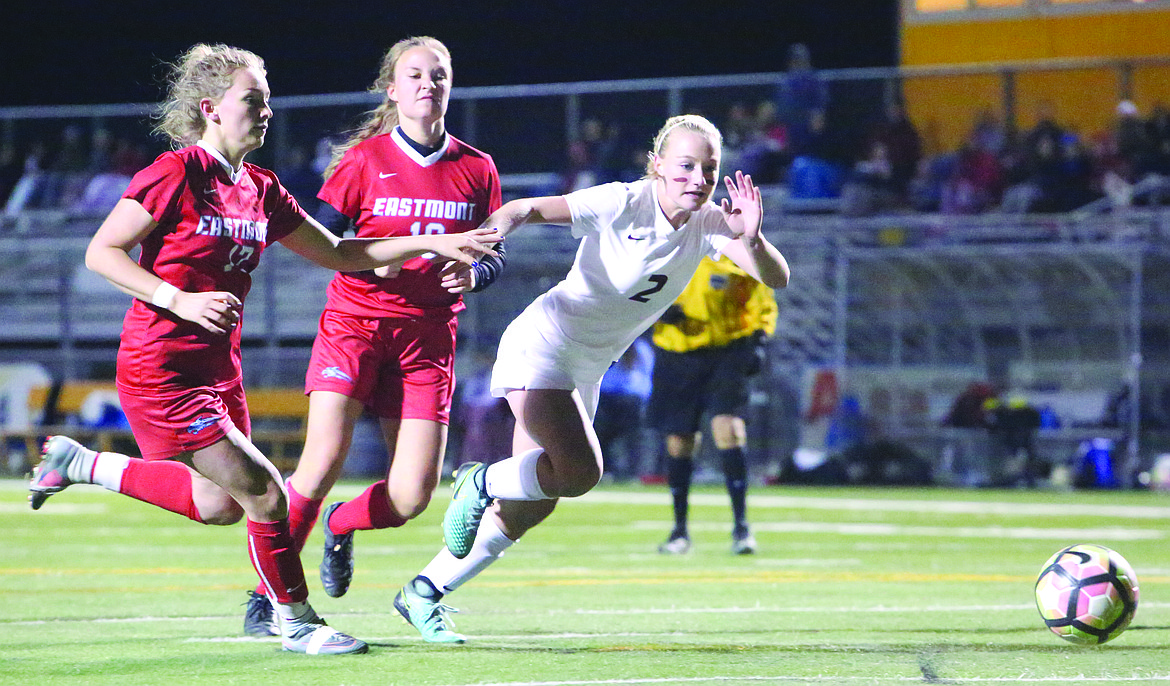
(659, 281)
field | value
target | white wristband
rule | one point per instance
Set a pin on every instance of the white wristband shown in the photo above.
(164, 296)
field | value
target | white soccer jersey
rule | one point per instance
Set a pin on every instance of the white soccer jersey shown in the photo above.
(631, 265)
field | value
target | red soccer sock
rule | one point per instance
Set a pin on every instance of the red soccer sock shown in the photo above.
(302, 515)
(274, 556)
(370, 510)
(162, 483)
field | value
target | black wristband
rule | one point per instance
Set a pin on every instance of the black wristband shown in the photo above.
(489, 267)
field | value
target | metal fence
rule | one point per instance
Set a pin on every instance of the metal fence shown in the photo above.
(528, 127)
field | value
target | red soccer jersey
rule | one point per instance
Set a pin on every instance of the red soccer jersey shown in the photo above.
(389, 189)
(209, 237)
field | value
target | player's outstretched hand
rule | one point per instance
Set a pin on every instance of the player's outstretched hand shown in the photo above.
(457, 277)
(743, 208)
(216, 311)
(466, 247)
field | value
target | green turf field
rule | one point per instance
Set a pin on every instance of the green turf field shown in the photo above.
(851, 586)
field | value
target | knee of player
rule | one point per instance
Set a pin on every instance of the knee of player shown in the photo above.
(223, 514)
(410, 503)
(580, 481)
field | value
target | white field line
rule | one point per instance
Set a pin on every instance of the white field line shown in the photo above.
(758, 609)
(758, 500)
(828, 679)
(872, 529)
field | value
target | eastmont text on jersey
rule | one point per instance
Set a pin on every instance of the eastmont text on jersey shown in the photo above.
(422, 207)
(232, 227)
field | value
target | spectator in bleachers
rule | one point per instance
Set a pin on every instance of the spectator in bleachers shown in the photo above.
(297, 175)
(579, 170)
(974, 183)
(484, 421)
(970, 407)
(1133, 141)
(802, 99)
(925, 190)
(101, 151)
(989, 133)
(108, 174)
(1077, 163)
(1159, 133)
(621, 406)
(1041, 176)
(870, 187)
(68, 173)
(738, 126)
(903, 144)
(764, 153)
(11, 166)
(322, 155)
(29, 188)
(606, 147)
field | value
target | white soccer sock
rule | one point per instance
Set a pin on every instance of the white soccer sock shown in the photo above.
(515, 477)
(107, 469)
(448, 573)
(294, 616)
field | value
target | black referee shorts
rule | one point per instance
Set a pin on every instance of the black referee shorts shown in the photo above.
(685, 385)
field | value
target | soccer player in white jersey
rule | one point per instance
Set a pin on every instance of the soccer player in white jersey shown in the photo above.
(641, 243)
(386, 342)
(202, 216)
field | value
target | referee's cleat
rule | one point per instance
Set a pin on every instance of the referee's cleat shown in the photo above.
(742, 542)
(315, 637)
(259, 617)
(469, 501)
(677, 544)
(427, 615)
(337, 563)
(51, 475)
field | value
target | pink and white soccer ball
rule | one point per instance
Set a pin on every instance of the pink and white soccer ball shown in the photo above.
(1087, 594)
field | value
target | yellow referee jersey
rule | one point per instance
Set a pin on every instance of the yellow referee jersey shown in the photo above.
(721, 303)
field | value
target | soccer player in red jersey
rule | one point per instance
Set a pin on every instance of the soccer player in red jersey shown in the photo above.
(386, 339)
(202, 217)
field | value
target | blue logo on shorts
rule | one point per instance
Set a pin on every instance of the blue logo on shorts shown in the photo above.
(200, 424)
(335, 373)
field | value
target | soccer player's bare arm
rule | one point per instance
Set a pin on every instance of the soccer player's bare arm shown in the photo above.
(315, 243)
(552, 209)
(108, 253)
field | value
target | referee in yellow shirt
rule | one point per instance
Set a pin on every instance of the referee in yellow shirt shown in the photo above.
(707, 345)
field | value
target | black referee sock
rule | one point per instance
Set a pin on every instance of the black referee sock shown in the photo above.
(735, 474)
(678, 477)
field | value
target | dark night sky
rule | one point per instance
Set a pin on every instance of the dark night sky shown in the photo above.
(102, 51)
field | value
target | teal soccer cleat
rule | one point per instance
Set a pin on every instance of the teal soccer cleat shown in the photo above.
(427, 615)
(468, 503)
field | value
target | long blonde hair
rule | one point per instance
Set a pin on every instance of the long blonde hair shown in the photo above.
(204, 71)
(690, 122)
(384, 117)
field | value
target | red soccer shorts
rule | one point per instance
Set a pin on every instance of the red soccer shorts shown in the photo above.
(398, 368)
(168, 424)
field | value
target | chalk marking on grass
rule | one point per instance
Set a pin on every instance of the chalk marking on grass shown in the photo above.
(880, 609)
(764, 500)
(874, 529)
(54, 509)
(822, 679)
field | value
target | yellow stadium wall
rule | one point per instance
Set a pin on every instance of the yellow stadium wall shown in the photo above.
(1084, 100)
